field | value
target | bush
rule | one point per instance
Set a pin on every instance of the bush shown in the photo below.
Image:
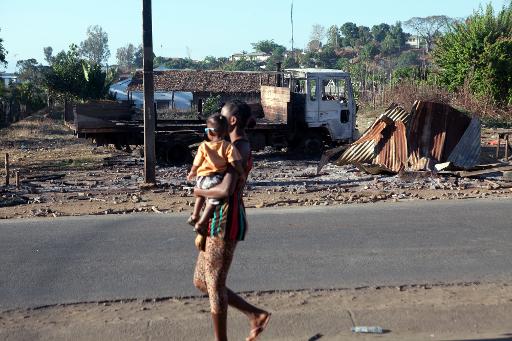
(479, 50)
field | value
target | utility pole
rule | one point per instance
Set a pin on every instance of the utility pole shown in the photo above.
(291, 21)
(149, 108)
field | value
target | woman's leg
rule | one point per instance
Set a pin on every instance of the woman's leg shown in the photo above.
(218, 257)
(199, 273)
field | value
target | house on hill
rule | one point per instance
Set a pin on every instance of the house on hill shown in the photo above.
(253, 56)
(229, 85)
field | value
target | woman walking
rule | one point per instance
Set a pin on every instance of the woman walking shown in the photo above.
(228, 226)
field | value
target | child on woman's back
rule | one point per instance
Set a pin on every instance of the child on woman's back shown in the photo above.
(210, 164)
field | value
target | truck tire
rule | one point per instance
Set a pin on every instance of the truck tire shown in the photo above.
(313, 144)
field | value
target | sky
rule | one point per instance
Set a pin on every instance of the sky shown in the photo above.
(198, 28)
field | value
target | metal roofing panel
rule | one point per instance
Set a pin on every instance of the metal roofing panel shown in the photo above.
(466, 153)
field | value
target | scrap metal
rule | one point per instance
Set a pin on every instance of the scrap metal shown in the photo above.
(431, 133)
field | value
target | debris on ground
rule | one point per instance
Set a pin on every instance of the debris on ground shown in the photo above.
(64, 176)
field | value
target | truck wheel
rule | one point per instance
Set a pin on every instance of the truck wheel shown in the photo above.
(313, 145)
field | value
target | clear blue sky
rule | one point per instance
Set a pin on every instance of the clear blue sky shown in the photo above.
(217, 28)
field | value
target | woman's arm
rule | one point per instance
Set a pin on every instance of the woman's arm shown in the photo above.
(222, 190)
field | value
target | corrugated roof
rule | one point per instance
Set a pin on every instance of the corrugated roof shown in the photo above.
(435, 130)
(432, 133)
(466, 153)
(367, 148)
(206, 81)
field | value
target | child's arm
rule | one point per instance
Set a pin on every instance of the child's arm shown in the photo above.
(193, 173)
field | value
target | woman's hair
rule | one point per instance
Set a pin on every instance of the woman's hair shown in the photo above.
(240, 110)
(219, 122)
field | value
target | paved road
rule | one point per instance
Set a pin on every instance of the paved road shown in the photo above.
(49, 261)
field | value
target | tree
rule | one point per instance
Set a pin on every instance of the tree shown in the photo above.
(316, 37)
(277, 56)
(265, 46)
(379, 32)
(479, 51)
(126, 56)
(138, 57)
(48, 54)
(364, 36)
(333, 37)
(314, 45)
(30, 70)
(408, 58)
(3, 53)
(429, 28)
(95, 47)
(71, 76)
(350, 32)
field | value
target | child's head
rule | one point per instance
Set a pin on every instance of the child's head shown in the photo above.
(219, 126)
(237, 113)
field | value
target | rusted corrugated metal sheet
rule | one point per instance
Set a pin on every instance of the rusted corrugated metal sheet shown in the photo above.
(467, 152)
(432, 133)
(369, 147)
(392, 150)
(435, 130)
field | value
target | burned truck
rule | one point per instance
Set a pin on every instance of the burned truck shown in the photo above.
(308, 110)
(304, 110)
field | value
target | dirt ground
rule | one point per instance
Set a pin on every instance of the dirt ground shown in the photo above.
(449, 312)
(61, 175)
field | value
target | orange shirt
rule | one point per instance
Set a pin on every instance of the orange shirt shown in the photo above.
(213, 157)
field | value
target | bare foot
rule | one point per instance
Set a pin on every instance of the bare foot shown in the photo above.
(258, 325)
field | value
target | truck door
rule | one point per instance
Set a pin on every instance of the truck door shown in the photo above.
(312, 100)
(334, 107)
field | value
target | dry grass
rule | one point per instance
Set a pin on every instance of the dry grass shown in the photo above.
(41, 144)
(493, 115)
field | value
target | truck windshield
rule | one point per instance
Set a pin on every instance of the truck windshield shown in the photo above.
(334, 89)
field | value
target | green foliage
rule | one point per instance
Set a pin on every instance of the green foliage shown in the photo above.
(478, 51)
(380, 31)
(368, 52)
(95, 47)
(3, 53)
(211, 105)
(266, 46)
(277, 56)
(48, 54)
(242, 64)
(138, 57)
(350, 33)
(334, 37)
(31, 95)
(408, 58)
(71, 76)
(126, 56)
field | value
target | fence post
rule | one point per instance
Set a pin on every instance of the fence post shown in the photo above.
(6, 169)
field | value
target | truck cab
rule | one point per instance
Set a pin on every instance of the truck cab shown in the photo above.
(328, 99)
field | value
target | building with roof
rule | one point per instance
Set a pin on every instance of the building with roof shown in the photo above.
(229, 85)
(8, 78)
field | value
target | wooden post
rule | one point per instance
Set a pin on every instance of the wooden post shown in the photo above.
(506, 147)
(149, 109)
(498, 147)
(7, 169)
